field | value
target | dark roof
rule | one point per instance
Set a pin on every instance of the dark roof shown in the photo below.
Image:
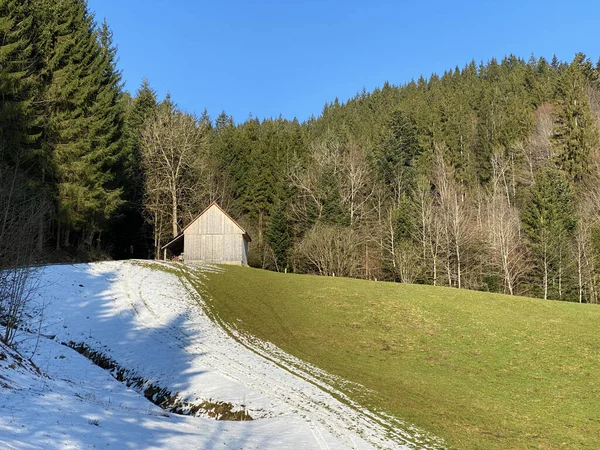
(176, 240)
(176, 244)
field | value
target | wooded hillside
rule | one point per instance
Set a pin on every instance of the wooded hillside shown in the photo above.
(487, 177)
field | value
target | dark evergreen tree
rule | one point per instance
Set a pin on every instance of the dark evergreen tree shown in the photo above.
(83, 115)
(396, 153)
(279, 236)
(139, 109)
(129, 233)
(17, 84)
(575, 135)
(549, 221)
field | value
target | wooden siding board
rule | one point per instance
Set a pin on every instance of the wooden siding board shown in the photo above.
(214, 237)
(215, 222)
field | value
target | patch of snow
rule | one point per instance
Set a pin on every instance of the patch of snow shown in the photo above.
(152, 323)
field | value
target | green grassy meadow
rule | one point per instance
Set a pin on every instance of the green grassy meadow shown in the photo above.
(480, 370)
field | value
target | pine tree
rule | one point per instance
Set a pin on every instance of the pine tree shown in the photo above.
(575, 135)
(396, 153)
(83, 114)
(333, 212)
(548, 221)
(505, 111)
(279, 235)
(140, 109)
(129, 232)
(17, 137)
(542, 83)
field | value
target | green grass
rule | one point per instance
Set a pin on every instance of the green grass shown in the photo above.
(479, 370)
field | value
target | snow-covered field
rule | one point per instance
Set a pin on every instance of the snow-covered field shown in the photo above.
(153, 324)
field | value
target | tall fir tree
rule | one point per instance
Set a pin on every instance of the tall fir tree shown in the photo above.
(395, 154)
(279, 236)
(138, 110)
(549, 221)
(575, 135)
(17, 84)
(83, 115)
(129, 232)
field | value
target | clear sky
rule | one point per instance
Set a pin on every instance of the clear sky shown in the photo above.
(268, 58)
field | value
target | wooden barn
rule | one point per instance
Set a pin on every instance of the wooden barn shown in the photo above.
(212, 237)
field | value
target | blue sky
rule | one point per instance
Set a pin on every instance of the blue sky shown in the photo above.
(268, 58)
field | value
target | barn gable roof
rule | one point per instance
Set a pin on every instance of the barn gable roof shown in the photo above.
(181, 233)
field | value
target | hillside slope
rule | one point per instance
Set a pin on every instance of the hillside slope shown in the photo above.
(480, 370)
(147, 326)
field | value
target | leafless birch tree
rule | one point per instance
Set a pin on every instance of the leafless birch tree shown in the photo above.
(430, 227)
(357, 182)
(503, 231)
(457, 217)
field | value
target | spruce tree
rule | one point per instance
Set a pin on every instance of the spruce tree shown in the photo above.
(129, 232)
(575, 135)
(17, 84)
(137, 113)
(548, 221)
(83, 114)
(333, 212)
(279, 235)
(396, 152)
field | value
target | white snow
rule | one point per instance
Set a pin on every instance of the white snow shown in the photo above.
(153, 323)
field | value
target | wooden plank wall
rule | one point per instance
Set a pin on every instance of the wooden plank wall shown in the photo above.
(214, 237)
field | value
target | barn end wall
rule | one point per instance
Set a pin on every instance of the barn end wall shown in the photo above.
(213, 237)
(216, 248)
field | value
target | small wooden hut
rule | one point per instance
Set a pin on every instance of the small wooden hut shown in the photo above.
(212, 237)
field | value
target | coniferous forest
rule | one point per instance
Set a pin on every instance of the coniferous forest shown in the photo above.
(484, 177)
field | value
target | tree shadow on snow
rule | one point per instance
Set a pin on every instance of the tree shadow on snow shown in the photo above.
(97, 306)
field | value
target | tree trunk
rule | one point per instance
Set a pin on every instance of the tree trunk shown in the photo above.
(435, 271)
(545, 275)
(507, 275)
(458, 266)
(67, 237)
(174, 214)
(40, 239)
(58, 235)
(579, 269)
(41, 229)
(560, 269)
(457, 236)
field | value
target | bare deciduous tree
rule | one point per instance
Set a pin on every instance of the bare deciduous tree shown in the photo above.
(305, 178)
(503, 231)
(585, 250)
(430, 227)
(351, 171)
(407, 262)
(537, 151)
(331, 250)
(457, 217)
(357, 185)
(22, 214)
(171, 148)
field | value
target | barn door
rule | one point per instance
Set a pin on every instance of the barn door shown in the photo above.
(217, 255)
(212, 250)
(207, 248)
